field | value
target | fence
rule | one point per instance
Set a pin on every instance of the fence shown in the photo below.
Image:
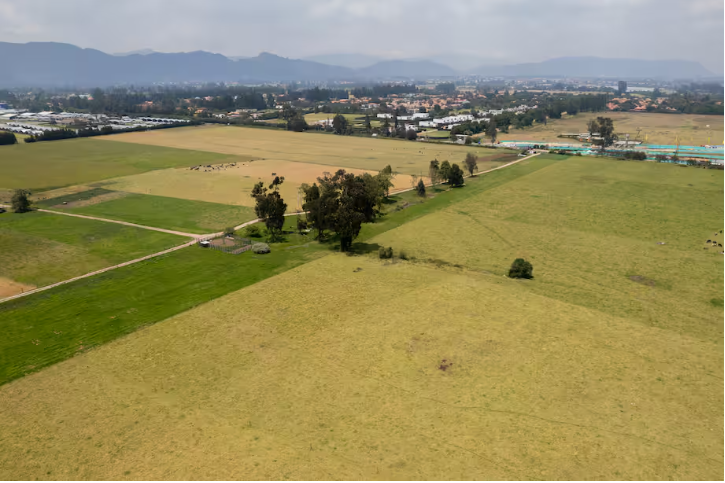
(227, 244)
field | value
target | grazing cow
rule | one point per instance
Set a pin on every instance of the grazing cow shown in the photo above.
(709, 241)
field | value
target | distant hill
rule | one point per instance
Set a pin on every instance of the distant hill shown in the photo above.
(600, 67)
(351, 61)
(139, 52)
(49, 64)
(413, 69)
(55, 64)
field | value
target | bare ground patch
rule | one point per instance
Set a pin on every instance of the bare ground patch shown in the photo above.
(10, 287)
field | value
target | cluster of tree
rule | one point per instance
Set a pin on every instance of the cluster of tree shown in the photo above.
(294, 118)
(317, 94)
(7, 137)
(690, 103)
(342, 202)
(445, 172)
(445, 88)
(383, 90)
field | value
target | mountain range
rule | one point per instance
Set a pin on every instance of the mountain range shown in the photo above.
(50, 64)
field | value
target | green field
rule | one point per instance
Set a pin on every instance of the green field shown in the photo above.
(607, 365)
(40, 248)
(170, 213)
(48, 165)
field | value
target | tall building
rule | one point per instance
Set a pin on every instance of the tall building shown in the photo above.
(622, 87)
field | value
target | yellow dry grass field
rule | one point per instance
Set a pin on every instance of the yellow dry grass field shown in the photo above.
(691, 129)
(10, 287)
(232, 185)
(372, 154)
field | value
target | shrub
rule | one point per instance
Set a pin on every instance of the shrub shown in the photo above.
(301, 224)
(385, 253)
(253, 231)
(20, 202)
(260, 248)
(7, 138)
(229, 231)
(420, 188)
(521, 269)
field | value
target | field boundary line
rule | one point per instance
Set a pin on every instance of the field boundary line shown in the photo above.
(97, 272)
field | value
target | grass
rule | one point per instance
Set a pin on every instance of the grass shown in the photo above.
(47, 165)
(405, 157)
(657, 128)
(40, 249)
(171, 213)
(233, 185)
(350, 367)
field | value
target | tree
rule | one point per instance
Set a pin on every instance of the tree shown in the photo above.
(20, 202)
(592, 128)
(343, 202)
(455, 176)
(471, 163)
(605, 127)
(434, 171)
(270, 206)
(521, 269)
(339, 124)
(491, 131)
(420, 188)
(385, 180)
(445, 171)
(229, 231)
(297, 123)
(7, 138)
(411, 135)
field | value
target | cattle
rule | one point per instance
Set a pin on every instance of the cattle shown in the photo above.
(709, 241)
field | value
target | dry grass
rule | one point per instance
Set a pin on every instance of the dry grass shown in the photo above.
(232, 185)
(372, 154)
(312, 388)
(658, 128)
(355, 368)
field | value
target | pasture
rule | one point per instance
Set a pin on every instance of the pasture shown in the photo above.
(47, 165)
(605, 366)
(38, 249)
(177, 214)
(657, 128)
(233, 185)
(348, 152)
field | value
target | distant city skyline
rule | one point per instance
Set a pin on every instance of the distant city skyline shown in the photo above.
(491, 32)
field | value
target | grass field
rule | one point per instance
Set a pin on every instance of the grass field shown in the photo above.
(47, 165)
(372, 154)
(233, 185)
(38, 249)
(161, 212)
(608, 365)
(658, 128)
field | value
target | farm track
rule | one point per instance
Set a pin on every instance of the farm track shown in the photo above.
(195, 238)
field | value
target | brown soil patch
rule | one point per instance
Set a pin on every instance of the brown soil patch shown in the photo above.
(643, 280)
(223, 242)
(10, 287)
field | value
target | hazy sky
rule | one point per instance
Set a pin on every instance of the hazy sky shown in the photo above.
(507, 31)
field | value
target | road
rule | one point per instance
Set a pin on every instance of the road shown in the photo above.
(195, 238)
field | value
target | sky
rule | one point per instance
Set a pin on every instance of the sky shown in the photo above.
(494, 31)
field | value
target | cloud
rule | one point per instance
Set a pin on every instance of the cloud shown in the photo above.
(489, 30)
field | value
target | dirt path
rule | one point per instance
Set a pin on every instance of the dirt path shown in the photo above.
(195, 237)
(164, 230)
